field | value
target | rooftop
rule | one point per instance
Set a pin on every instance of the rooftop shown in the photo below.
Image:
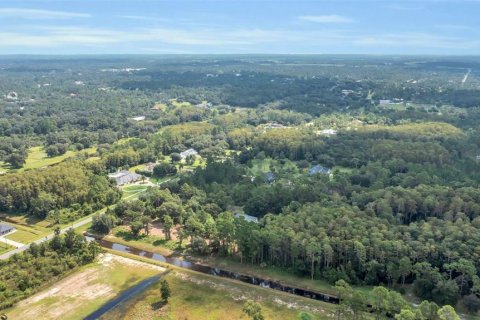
(188, 152)
(4, 228)
(124, 177)
(318, 169)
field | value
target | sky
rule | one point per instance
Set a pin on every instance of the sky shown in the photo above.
(438, 27)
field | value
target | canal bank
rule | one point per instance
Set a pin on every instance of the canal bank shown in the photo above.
(186, 264)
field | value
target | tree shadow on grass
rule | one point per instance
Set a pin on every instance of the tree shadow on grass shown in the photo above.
(159, 242)
(158, 305)
(127, 235)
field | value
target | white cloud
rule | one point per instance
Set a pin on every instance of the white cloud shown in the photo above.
(332, 18)
(46, 36)
(416, 40)
(40, 14)
(175, 40)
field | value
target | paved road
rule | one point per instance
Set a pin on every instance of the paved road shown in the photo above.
(22, 247)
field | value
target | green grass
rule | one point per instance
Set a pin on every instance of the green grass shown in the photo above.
(202, 297)
(132, 192)
(24, 236)
(260, 167)
(178, 104)
(148, 243)
(4, 247)
(84, 291)
(343, 169)
(37, 158)
(135, 168)
(29, 228)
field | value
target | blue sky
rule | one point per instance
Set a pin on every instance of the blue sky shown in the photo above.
(246, 26)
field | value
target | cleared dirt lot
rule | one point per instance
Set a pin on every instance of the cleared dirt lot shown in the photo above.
(85, 290)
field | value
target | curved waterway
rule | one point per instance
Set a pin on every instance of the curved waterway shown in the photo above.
(219, 272)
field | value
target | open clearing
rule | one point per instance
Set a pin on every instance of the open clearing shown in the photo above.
(200, 297)
(84, 291)
(37, 158)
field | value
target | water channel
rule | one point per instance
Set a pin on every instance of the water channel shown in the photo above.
(219, 272)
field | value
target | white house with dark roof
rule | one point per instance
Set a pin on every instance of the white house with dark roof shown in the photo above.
(124, 177)
(6, 229)
(188, 152)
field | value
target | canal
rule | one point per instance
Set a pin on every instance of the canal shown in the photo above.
(219, 272)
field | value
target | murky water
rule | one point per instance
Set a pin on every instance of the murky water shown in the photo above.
(219, 272)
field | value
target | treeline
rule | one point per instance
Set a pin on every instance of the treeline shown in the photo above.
(68, 185)
(333, 229)
(25, 273)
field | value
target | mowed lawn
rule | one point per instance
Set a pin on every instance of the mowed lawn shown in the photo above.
(4, 247)
(132, 192)
(28, 228)
(84, 291)
(37, 158)
(202, 297)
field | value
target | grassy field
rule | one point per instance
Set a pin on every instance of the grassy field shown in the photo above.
(181, 104)
(148, 243)
(132, 192)
(28, 227)
(4, 247)
(260, 167)
(202, 297)
(85, 290)
(37, 158)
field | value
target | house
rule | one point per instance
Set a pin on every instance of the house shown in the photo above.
(246, 217)
(318, 169)
(274, 125)
(12, 96)
(328, 132)
(124, 177)
(204, 105)
(270, 177)
(150, 166)
(6, 229)
(188, 152)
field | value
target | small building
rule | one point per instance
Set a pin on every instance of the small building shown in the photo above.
(11, 96)
(328, 132)
(139, 118)
(385, 102)
(274, 125)
(188, 152)
(149, 167)
(123, 177)
(270, 177)
(204, 105)
(319, 169)
(246, 217)
(6, 229)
